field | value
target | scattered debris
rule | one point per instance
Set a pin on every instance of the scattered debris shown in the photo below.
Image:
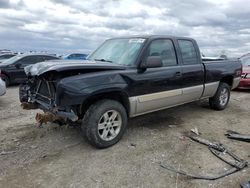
(195, 131)
(44, 156)
(237, 136)
(245, 184)
(28, 106)
(72, 145)
(220, 152)
(33, 147)
(49, 117)
(15, 139)
(7, 152)
(133, 145)
(171, 126)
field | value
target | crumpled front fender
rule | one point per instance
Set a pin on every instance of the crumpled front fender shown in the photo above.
(75, 90)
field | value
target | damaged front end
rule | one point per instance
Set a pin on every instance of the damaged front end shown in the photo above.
(39, 93)
(60, 87)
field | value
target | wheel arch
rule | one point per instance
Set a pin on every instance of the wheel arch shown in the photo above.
(228, 80)
(117, 95)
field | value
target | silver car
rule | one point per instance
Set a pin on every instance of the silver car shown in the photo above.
(2, 87)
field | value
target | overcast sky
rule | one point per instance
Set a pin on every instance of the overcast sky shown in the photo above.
(77, 25)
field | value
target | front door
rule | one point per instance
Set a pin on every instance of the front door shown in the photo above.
(158, 88)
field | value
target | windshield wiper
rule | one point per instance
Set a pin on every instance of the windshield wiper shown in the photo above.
(104, 60)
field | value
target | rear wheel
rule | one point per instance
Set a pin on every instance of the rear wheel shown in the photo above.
(6, 79)
(104, 123)
(221, 98)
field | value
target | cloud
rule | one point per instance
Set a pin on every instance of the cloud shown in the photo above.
(74, 25)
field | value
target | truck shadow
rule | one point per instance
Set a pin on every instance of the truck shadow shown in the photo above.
(165, 118)
(241, 90)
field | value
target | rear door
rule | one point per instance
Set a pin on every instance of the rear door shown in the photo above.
(192, 70)
(158, 88)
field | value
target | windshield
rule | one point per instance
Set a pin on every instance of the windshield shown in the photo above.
(118, 51)
(246, 61)
(11, 60)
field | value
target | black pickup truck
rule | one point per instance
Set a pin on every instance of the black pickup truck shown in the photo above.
(127, 77)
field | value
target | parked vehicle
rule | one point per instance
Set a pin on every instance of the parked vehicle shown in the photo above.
(6, 56)
(5, 51)
(2, 86)
(13, 68)
(245, 77)
(76, 56)
(128, 77)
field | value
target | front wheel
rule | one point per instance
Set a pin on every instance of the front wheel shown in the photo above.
(104, 123)
(221, 98)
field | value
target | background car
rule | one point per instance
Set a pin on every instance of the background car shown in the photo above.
(6, 56)
(2, 86)
(12, 70)
(76, 56)
(245, 77)
(245, 61)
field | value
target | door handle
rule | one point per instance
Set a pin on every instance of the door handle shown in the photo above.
(178, 74)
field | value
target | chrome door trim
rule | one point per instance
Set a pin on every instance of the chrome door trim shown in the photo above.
(147, 103)
(159, 95)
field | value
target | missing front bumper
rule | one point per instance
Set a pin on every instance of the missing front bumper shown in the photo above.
(48, 108)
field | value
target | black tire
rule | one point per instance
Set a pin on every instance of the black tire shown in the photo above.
(95, 115)
(6, 79)
(221, 98)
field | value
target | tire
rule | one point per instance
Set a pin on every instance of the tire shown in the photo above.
(6, 79)
(98, 126)
(221, 98)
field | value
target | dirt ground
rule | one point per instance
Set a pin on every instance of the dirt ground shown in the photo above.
(55, 156)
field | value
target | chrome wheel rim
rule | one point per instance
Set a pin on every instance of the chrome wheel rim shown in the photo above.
(224, 97)
(109, 125)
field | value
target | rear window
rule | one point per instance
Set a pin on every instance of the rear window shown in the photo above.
(188, 52)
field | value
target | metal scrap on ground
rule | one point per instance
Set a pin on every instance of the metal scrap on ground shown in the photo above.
(238, 136)
(221, 152)
(245, 184)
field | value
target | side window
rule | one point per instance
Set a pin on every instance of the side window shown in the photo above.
(36, 59)
(72, 56)
(39, 58)
(188, 52)
(46, 58)
(165, 49)
(31, 59)
(28, 60)
(7, 56)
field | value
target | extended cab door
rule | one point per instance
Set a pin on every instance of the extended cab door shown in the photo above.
(192, 70)
(158, 88)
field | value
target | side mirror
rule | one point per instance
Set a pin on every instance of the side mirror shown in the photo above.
(18, 65)
(152, 62)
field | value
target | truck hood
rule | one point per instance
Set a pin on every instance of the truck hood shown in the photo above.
(68, 65)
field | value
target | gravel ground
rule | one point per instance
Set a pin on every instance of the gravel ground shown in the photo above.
(55, 156)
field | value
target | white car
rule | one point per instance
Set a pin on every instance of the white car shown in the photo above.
(2, 86)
